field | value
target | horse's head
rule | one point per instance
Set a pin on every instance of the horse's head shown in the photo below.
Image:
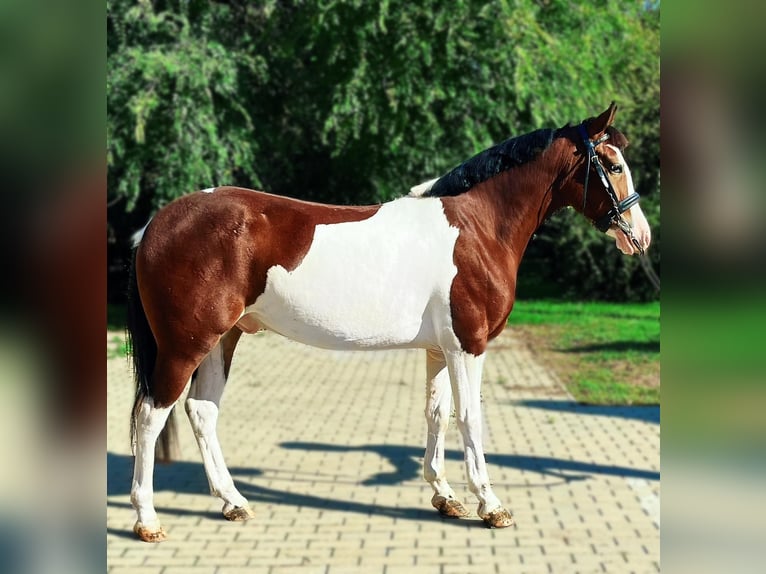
(608, 198)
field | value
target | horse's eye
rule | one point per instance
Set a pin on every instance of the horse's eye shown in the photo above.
(616, 168)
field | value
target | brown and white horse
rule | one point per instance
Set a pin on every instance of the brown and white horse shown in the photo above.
(434, 270)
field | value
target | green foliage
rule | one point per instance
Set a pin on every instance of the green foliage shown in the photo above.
(116, 317)
(177, 120)
(567, 258)
(573, 260)
(349, 101)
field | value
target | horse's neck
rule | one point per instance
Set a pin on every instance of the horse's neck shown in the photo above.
(519, 200)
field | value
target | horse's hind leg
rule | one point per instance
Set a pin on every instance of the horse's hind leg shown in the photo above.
(150, 417)
(438, 403)
(202, 407)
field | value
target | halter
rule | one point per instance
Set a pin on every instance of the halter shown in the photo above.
(614, 215)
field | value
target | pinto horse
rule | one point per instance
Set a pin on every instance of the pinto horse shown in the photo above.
(434, 270)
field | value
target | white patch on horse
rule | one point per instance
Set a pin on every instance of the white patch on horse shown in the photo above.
(209, 190)
(383, 282)
(422, 188)
(634, 215)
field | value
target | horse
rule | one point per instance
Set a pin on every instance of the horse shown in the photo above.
(435, 269)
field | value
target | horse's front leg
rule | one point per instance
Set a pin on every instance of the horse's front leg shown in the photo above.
(465, 373)
(438, 403)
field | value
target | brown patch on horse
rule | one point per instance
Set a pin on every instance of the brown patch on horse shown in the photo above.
(191, 294)
(496, 219)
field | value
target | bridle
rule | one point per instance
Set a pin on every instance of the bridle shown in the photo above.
(614, 215)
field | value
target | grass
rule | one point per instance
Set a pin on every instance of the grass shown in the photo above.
(605, 353)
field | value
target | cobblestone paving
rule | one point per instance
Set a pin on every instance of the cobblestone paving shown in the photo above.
(328, 448)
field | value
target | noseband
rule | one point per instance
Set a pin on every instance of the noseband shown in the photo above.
(614, 215)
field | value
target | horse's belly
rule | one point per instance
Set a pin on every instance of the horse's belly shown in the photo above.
(351, 310)
(382, 282)
(344, 326)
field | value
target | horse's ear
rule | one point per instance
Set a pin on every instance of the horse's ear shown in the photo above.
(597, 126)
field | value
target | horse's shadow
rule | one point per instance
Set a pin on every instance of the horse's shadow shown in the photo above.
(647, 414)
(189, 478)
(407, 461)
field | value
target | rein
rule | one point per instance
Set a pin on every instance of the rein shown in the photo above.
(614, 215)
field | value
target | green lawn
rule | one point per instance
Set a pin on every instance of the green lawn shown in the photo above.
(606, 353)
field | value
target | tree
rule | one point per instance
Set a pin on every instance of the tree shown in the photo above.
(349, 101)
(566, 258)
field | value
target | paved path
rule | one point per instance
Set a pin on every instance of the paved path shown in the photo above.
(328, 447)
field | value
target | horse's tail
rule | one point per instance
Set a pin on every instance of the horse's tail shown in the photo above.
(143, 350)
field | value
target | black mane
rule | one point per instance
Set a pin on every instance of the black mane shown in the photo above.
(501, 157)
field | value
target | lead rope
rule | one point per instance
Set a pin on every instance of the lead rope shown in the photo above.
(649, 270)
(627, 229)
(646, 264)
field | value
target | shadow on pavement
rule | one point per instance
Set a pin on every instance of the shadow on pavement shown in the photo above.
(180, 476)
(189, 477)
(647, 414)
(408, 461)
(176, 477)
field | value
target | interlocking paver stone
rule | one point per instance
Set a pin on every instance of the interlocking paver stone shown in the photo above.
(328, 447)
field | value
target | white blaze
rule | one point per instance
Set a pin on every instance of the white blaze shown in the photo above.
(634, 216)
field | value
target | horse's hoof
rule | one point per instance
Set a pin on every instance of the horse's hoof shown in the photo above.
(239, 514)
(450, 507)
(149, 535)
(499, 518)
